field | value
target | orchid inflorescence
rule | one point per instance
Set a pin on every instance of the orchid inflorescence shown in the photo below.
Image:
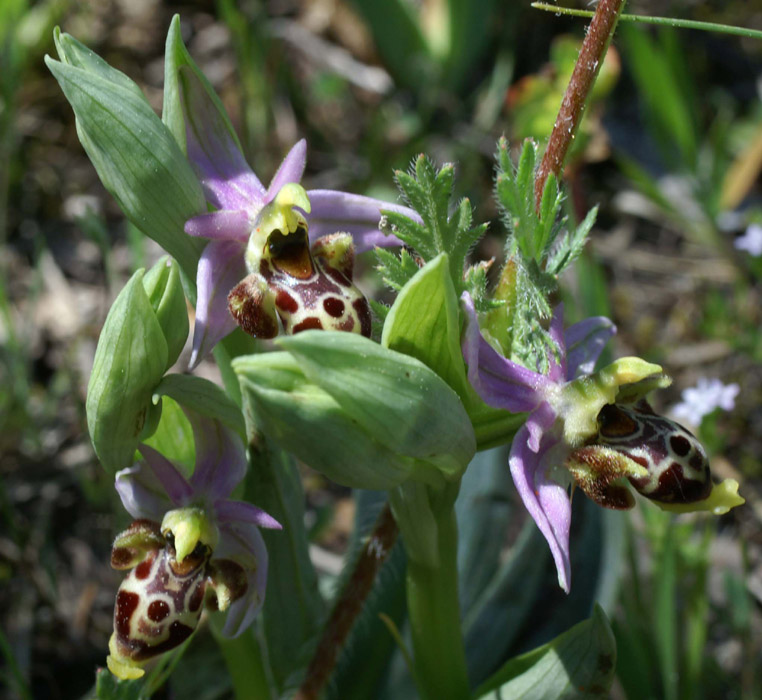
(456, 369)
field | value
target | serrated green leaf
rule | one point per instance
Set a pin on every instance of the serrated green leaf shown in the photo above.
(130, 360)
(397, 399)
(395, 271)
(424, 323)
(429, 192)
(578, 664)
(135, 155)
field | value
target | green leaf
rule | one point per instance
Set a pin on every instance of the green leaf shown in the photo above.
(293, 611)
(130, 361)
(400, 401)
(413, 512)
(109, 687)
(299, 417)
(429, 192)
(204, 397)
(173, 436)
(165, 292)
(135, 155)
(578, 664)
(424, 323)
(395, 271)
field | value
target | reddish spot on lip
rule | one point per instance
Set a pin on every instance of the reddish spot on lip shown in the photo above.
(158, 610)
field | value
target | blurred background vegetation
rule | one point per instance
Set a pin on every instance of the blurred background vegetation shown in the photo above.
(671, 149)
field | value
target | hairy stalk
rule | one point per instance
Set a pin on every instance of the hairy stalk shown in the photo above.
(588, 64)
(350, 603)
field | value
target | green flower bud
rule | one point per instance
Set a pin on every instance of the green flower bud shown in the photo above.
(146, 320)
(165, 292)
(130, 361)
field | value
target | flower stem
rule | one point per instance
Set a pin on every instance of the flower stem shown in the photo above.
(588, 64)
(243, 658)
(434, 614)
(349, 605)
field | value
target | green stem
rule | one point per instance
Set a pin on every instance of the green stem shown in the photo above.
(246, 666)
(662, 21)
(434, 613)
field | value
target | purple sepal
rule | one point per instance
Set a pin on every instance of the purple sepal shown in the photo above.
(220, 457)
(220, 268)
(228, 511)
(352, 213)
(141, 493)
(227, 180)
(585, 342)
(243, 543)
(290, 170)
(223, 225)
(175, 485)
(499, 382)
(547, 502)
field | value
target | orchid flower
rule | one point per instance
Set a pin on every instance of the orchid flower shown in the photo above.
(207, 546)
(239, 198)
(592, 430)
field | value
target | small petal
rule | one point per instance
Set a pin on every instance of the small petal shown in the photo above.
(220, 457)
(585, 342)
(213, 151)
(220, 268)
(500, 382)
(175, 485)
(243, 543)
(290, 170)
(547, 502)
(334, 211)
(225, 224)
(229, 511)
(538, 421)
(141, 493)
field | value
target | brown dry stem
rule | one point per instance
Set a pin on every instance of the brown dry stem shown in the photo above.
(588, 64)
(349, 605)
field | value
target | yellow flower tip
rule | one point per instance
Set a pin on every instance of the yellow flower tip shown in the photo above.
(629, 370)
(123, 668)
(723, 497)
(189, 526)
(292, 195)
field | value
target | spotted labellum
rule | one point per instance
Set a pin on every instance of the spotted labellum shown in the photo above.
(303, 287)
(159, 603)
(660, 458)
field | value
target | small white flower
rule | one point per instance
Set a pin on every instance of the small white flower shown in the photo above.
(705, 397)
(751, 241)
